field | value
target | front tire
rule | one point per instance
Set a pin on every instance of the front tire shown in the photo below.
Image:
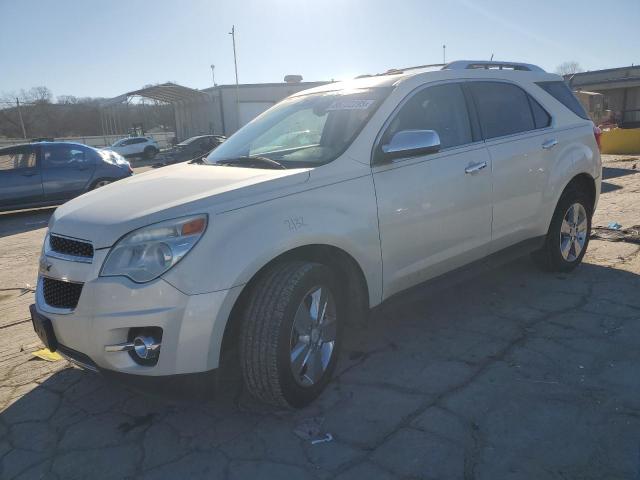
(290, 335)
(568, 236)
(150, 153)
(100, 183)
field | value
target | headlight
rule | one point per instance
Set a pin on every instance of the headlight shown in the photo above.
(147, 253)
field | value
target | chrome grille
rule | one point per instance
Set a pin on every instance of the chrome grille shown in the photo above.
(61, 294)
(69, 246)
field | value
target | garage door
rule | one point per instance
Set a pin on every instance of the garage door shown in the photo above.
(250, 110)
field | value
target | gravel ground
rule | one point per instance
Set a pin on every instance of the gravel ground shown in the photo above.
(510, 375)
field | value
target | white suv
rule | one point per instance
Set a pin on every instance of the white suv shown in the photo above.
(145, 147)
(273, 247)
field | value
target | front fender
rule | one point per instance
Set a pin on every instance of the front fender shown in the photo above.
(240, 242)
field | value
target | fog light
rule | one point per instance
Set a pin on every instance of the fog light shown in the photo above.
(146, 347)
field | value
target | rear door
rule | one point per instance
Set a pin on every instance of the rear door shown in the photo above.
(67, 170)
(20, 180)
(520, 141)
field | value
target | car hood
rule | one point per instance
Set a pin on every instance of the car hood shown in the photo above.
(106, 214)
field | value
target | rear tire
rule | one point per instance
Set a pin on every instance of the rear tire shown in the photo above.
(568, 236)
(287, 355)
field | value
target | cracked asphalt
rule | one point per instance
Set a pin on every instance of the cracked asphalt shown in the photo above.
(511, 374)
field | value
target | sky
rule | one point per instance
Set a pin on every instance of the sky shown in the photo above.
(105, 48)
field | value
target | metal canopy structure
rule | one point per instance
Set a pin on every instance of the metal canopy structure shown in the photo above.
(166, 92)
(115, 111)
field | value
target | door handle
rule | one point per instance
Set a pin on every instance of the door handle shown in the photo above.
(549, 144)
(475, 168)
(29, 174)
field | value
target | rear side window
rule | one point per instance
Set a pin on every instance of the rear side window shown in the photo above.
(561, 92)
(504, 109)
(17, 158)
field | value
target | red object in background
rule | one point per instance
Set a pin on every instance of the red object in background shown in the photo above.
(597, 132)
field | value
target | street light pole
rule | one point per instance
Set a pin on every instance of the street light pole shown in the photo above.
(213, 75)
(444, 54)
(24, 132)
(235, 63)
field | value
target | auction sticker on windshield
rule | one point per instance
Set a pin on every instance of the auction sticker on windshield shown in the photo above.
(353, 104)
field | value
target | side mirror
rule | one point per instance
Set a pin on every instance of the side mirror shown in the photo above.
(411, 143)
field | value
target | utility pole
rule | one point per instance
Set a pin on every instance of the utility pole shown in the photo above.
(444, 54)
(24, 132)
(235, 63)
(213, 75)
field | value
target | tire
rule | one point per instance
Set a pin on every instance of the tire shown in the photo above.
(100, 183)
(270, 337)
(550, 257)
(150, 152)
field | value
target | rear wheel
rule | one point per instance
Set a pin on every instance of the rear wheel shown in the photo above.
(568, 236)
(291, 334)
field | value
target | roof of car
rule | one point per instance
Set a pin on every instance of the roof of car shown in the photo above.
(459, 69)
(48, 143)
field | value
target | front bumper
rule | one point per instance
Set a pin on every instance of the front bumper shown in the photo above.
(108, 307)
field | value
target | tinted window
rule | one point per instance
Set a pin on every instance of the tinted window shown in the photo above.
(540, 116)
(138, 140)
(19, 157)
(441, 108)
(57, 156)
(561, 92)
(503, 109)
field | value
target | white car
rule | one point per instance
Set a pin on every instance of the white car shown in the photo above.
(412, 174)
(145, 147)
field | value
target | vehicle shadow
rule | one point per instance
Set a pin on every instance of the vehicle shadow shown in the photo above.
(613, 172)
(22, 221)
(80, 421)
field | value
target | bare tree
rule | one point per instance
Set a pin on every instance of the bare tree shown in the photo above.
(569, 68)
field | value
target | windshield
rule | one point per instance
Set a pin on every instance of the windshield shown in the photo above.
(303, 131)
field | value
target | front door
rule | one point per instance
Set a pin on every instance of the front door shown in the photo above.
(67, 170)
(434, 210)
(20, 180)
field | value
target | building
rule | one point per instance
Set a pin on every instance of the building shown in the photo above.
(221, 109)
(620, 88)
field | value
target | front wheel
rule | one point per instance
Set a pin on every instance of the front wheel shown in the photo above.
(150, 152)
(291, 334)
(568, 236)
(100, 183)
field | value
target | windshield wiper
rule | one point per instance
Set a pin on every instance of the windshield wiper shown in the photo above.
(256, 160)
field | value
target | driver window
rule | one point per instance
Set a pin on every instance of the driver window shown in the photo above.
(57, 156)
(441, 108)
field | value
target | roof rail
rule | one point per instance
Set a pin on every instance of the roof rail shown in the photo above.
(483, 64)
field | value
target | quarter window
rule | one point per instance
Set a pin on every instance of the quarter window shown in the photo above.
(441, 108)
(16, 158)
(503, 109)
(540, 116)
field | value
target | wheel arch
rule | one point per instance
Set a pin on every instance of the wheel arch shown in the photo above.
(347, 269)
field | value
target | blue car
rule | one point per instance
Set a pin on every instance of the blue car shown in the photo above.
(50, 173)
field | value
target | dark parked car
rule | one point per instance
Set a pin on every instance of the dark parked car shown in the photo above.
(50, 173)
(193, 147)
